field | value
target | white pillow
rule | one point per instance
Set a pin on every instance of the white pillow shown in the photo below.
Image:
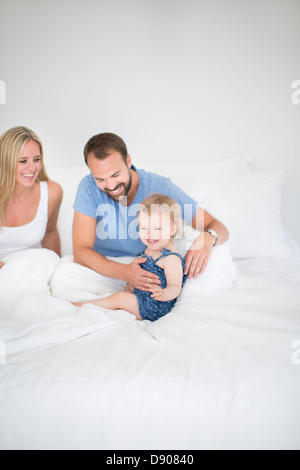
(249, 204)
(233, 164)
(219, 275)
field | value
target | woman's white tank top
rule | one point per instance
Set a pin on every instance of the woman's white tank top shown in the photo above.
(25, 237)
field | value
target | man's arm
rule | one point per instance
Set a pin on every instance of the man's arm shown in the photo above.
(84, 235)
(204, 221)
(199, 253)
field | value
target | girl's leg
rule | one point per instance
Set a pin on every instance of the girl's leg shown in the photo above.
(119, 301)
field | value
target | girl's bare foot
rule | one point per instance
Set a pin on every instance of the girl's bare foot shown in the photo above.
(78, 304)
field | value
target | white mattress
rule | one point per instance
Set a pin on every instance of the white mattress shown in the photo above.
(219, 373)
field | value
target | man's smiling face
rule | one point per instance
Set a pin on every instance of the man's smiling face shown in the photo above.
(112, 175)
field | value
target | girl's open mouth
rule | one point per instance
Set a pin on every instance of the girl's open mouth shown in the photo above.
(152, 242)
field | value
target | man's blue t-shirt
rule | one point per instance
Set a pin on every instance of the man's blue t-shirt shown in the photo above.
(117, 226)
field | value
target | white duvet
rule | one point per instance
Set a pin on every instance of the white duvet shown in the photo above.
(220, 372)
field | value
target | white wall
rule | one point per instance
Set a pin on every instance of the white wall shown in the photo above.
(189, 80)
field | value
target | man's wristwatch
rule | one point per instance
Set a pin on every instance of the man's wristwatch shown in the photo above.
(214, 234)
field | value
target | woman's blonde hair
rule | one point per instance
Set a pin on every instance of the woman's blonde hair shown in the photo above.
(11, 145)
(162, 202)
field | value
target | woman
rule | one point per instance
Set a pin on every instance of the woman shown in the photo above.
(29, 202)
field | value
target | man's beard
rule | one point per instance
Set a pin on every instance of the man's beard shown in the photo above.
(127, 188)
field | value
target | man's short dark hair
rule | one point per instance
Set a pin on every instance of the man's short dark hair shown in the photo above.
(103, 145)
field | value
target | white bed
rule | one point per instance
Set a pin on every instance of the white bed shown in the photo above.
(221, 372)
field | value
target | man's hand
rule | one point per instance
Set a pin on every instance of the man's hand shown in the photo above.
(198, 255)
(139, 278)
(1, 265)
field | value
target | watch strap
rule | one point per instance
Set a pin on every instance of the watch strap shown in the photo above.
(214, 234)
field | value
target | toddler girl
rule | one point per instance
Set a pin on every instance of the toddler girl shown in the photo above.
(159, 220)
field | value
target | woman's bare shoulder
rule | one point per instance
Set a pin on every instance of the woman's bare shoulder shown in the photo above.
(55, 191)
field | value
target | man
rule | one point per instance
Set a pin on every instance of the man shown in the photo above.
(106, 208)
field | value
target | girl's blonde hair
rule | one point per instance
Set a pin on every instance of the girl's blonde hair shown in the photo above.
(11, 145)
(162, 202)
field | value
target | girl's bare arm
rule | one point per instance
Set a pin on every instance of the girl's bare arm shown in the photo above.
(174, 276)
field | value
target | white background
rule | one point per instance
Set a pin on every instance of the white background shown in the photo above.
(179, 80)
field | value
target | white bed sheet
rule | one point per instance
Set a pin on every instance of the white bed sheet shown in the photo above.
(221, 373)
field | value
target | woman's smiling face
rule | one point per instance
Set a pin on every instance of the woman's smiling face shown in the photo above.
(29, 164)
